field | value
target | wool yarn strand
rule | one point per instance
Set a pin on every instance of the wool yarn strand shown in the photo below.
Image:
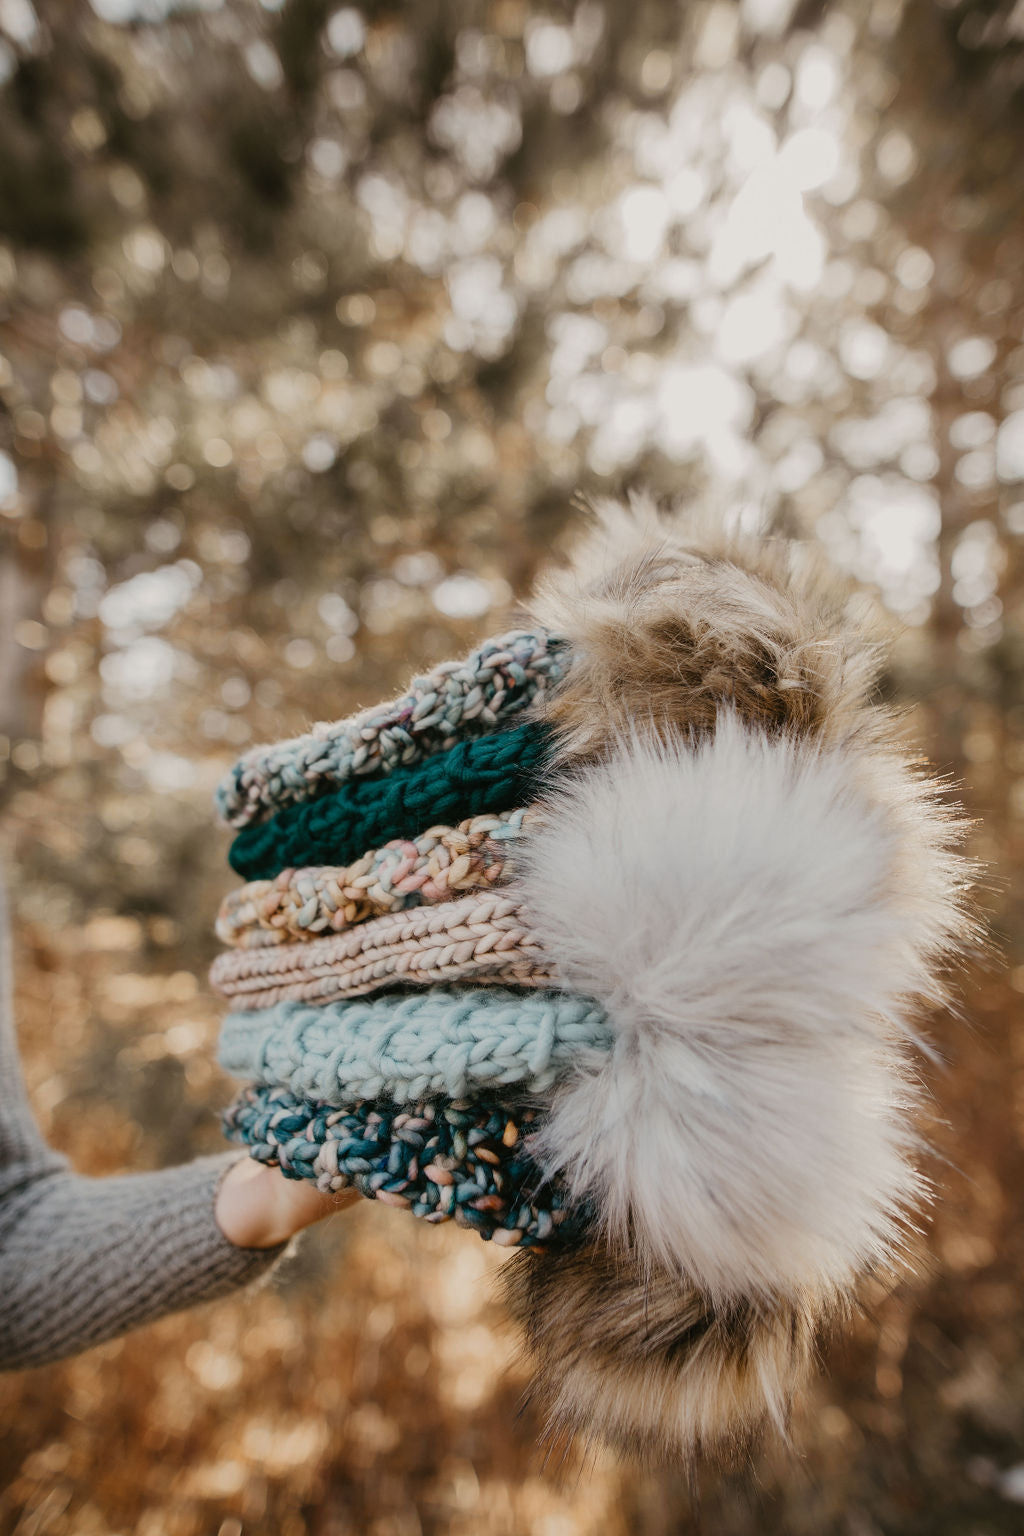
(408, 1046)
(454, 701)
(452, 1160)
(484, 937)
(492, 773)
(304, 904)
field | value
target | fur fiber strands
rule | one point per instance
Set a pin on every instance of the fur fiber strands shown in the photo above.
(751, 1127)
(669, 620)
(626, 1354)
(775, 890)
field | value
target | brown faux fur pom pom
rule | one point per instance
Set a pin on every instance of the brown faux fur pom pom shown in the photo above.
(673, 618)
(629, 1355)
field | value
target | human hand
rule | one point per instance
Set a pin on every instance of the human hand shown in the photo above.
(257, 1207)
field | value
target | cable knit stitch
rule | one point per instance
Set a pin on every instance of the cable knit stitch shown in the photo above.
(493, 773)
(456, 1041)
(485, 937)
(305, 903)
(455, 701)
(455, 1160)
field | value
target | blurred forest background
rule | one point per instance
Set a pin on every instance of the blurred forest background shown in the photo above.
(312, 320)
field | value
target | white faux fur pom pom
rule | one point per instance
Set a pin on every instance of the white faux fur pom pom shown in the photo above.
(741, 907)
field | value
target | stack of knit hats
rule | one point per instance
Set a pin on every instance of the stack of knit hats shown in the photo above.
(377, 883)
(606, 942)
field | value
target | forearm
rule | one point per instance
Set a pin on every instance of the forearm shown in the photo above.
(83, 1260)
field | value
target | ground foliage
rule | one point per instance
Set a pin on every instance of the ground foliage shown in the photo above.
(313, 319)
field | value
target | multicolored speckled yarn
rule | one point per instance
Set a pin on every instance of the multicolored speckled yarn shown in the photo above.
(436, 866)
(454, 702)
(452, 1160)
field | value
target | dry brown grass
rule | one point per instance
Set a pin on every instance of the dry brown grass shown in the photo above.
(372, 1385)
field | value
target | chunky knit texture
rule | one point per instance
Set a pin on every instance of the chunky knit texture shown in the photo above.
(83, 1260)
(455, 701)
(748, 885)
(430, 868)
(448, 1040)
(455, 1160)
(484, 937)
(493, 773)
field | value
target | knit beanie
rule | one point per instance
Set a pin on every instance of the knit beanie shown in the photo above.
(611, 942)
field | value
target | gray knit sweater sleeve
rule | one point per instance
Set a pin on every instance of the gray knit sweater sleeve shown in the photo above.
(82, 1260)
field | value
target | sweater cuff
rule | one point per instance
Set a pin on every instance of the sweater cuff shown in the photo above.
(128, 1250)
(215, 1264)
